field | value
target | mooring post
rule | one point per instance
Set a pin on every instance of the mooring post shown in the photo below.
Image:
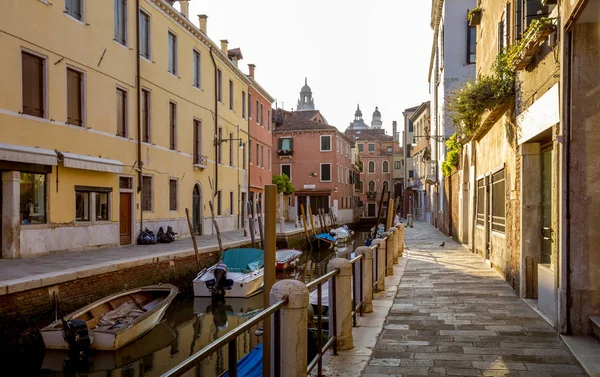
(393, 234)
(343, 301)
(292, 327)
(269, 277)
(400, 240)
(381, 269)
(367, 277)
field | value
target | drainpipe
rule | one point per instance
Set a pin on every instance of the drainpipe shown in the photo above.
(567, 157)
(139, 109)
(216, 189)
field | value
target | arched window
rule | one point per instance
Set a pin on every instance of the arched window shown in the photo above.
(386, 167)
(386, 184)
(371, 186)
(361, 186)
(371, 166)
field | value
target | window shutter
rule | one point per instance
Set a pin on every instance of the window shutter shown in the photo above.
(507, 24)
(68, 6)
(291, 144)
(76, 8)
(33, 85)
(280, 143)
(173, 195)
(147, 194)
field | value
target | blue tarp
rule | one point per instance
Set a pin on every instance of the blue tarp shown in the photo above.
(325, 237)
(251, 364)
(243, 260)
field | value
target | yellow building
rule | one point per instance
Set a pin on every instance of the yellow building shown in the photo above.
(80, 169)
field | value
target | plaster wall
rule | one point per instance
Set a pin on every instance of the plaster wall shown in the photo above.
(260, 174)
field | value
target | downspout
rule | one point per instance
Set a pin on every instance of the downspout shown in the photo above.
(567, 151)
(217, 142)
(139, 109)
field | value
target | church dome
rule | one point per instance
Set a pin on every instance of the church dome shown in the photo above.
(305, 88)
(376, 113)
(358, 113)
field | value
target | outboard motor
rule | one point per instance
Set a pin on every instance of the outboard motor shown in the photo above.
(75, 333)
(220, 283)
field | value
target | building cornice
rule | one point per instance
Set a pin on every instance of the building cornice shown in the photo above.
(437, 7)
(186, 24)
(260, 89)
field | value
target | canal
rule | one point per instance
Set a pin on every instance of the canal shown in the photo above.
(189, 324)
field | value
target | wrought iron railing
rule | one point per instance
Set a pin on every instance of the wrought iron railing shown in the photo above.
(200, 160)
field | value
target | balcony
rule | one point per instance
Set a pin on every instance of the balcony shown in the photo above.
(534, 37)
(284, 152)
(200, 162)
(371, 194)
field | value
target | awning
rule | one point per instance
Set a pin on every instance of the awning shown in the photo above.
(28, 155)
(77, 161)
(540, 116)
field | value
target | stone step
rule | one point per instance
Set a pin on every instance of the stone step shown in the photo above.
(596, 326)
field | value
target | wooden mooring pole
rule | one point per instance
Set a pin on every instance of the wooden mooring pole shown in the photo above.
(269, 248)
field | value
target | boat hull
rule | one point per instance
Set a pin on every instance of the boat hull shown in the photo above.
(109, 340)
(244, 285)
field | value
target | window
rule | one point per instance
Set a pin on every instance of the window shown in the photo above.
(74, 8)
(230, 95)
(244, 156)
(197, 140)
(121, 112)
(33, 84)
(172, 195)
(410, 126)
(231, 212)
(197, 67)
(144, 35)
(498, 202)
(230, 149)
(146, 116)
(220, 147)
(262, 115)
(269, 120)
(287, 170)
(325, 143)
(101, 206)
(219, 85)
(258, 112)
(411, 173)
(397, 165)
(360, 148)
(326, 172)
(480, 219)
(172, 125)
(471, 46)
(249, 105)
(250, 151)
(371, 147)
(262, 156)
(257, 155)
(243, 105)
(285, 143)
(219, 203)
(74, 97)
(500, 36)
(386, 167)
(269, 158)
(147, 192)
(82, 206)
(371, 186)
(121, 21)
(371, 167)
(126, 183)
(389, 149)
(361, 187)
(172, 53)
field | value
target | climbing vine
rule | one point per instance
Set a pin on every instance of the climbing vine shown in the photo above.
(452, 155)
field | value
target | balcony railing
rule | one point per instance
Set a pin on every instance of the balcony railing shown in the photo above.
(284, 152)
(371, 194)
(200, 162)
(533, 39)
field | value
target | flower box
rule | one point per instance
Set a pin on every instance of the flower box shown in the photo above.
(474, 16)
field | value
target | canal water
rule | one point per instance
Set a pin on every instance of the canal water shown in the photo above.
(190, 324)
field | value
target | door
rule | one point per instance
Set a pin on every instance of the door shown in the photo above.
(371, 210)
(546, 221)
(125, 218)
(197, 210)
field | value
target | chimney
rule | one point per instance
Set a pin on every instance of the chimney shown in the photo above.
(185, 7)
(395, 127)
(202, 20)
(251, 69)
(224, 43)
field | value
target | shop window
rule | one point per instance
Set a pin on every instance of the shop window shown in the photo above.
(82, 206)
(480, 220)
(499, 202)
(33, 198)
(101, 206)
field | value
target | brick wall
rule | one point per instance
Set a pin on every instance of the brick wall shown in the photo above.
(23, 313)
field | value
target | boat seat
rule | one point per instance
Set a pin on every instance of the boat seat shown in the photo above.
(152, 304)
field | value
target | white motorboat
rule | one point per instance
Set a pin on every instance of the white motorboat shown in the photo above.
(112, 322)
(239, 273)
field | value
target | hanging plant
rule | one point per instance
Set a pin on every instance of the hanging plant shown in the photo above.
(474, 16)
(452, 155)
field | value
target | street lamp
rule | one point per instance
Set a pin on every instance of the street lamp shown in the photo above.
(221, 141)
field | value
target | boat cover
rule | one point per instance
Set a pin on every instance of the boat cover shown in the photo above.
(325, 237)
(243, 260)
(251, 364)
(286, 255)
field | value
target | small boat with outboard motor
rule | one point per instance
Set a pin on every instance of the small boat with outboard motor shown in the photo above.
(239, 273)
(112, 322)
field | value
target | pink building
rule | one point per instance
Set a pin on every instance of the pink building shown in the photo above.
(317, 158)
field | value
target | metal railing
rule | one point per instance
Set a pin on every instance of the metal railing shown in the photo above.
(230, 339)
(332, 342)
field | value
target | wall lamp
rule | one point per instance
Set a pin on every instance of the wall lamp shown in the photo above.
(221, 141)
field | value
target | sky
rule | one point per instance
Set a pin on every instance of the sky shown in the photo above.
(368, 52)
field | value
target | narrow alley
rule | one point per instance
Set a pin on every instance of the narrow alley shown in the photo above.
(454, 315)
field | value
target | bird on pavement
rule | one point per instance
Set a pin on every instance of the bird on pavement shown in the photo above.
(443, 244)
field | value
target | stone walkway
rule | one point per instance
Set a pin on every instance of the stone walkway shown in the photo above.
(453, 315)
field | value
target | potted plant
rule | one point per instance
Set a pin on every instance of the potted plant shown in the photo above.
(474, 16)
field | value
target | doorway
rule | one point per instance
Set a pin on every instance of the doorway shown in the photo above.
(547, 252)
(197, 209)
(371, 210)
(125, 218)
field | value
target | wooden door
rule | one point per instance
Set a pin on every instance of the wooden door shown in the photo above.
(125, 218)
